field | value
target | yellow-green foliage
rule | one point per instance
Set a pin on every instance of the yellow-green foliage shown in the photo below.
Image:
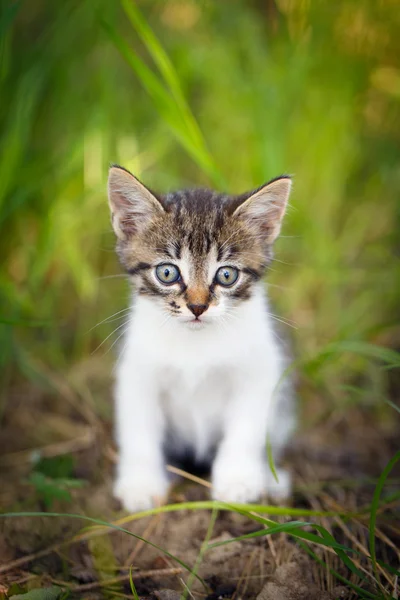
(189, 93)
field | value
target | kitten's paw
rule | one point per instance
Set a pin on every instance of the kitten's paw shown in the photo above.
(243, 484)
(281, 490)
(140, 490)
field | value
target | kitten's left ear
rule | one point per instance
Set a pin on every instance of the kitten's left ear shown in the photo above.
(264, 209)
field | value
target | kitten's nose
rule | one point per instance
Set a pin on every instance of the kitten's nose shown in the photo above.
(197, 309)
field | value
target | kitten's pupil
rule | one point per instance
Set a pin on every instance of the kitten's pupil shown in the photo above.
(166, 273)
(226, 275)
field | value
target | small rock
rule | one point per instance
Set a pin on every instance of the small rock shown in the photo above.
(340, 592)
(166, 595)
(292, 581)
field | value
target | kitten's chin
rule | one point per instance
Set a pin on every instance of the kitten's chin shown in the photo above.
(195, 324)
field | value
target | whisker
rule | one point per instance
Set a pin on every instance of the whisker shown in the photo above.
(279, 287)
(285, 263)
(112, 333)
(168, 316)
(222, 323)
(118, 338)
(120, 355)
(110, 317)
(231, 313)
(290, 321)
(276, 336)
(119, 275)
(282, 321)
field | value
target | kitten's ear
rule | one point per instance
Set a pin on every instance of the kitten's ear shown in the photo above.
(132, 205)
(264, 209)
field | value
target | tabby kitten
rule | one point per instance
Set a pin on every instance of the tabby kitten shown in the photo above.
(200, 360)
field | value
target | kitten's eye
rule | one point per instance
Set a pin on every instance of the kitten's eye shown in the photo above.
(167, 274)
(227, 276)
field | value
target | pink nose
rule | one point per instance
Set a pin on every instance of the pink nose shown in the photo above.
(197, 309)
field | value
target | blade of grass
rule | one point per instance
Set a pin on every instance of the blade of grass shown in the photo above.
(363, 593)
(133, 588)
(388, 568)
(168, 108)
(92, 531)
(8, 14)
(165, 67)
(271, 462)
(374, 510)
(107, 525)
(204, 547)
(326, 539)
(171, 78)
(390, 357)
(245, 509)
(393, 405)
(290, 528)
(249, 508)
(281, 528)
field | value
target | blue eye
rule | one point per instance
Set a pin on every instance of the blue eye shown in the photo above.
(167, 274)
(227, 276)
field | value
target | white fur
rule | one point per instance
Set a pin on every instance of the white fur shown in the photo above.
(211, 382)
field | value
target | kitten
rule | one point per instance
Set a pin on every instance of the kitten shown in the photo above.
(200, 360)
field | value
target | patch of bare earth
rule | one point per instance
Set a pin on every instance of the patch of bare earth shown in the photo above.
(335, 465)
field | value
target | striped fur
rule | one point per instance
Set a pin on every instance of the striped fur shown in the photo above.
(198, 231)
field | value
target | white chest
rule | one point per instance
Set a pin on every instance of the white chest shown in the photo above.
(194, 403)
(196, 374)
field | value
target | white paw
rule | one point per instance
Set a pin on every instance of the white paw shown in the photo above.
(236, 483)
(281, 490)
(140, 490)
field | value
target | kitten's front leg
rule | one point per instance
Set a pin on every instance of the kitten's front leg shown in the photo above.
(141, 479)
(241, 472)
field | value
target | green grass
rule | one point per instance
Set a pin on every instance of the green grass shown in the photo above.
(219, 94)
(200, 106)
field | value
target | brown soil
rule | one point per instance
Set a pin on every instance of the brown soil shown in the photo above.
(335, 463)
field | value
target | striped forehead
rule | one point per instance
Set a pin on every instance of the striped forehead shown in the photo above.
(198, 269)
(199, 216)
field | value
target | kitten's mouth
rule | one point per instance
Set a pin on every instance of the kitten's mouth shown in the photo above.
(193, 322)
(196, 323)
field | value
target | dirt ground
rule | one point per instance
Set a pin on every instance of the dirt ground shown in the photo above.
(335, 461)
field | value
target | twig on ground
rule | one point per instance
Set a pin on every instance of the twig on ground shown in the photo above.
(120, 578)
(74, 445)
(18, 562)
(189, 476)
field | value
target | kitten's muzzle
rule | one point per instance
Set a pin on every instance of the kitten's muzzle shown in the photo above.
(197, 309)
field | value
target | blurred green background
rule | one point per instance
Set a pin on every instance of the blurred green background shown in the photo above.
(226, 94)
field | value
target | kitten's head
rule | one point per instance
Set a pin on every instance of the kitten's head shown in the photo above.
(196, 253)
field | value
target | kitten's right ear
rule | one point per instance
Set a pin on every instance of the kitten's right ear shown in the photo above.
(132, 205)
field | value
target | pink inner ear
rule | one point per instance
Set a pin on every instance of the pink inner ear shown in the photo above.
(131, 202)
(122, 216)
(120, 201)
(266, 207)
(127, 223)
